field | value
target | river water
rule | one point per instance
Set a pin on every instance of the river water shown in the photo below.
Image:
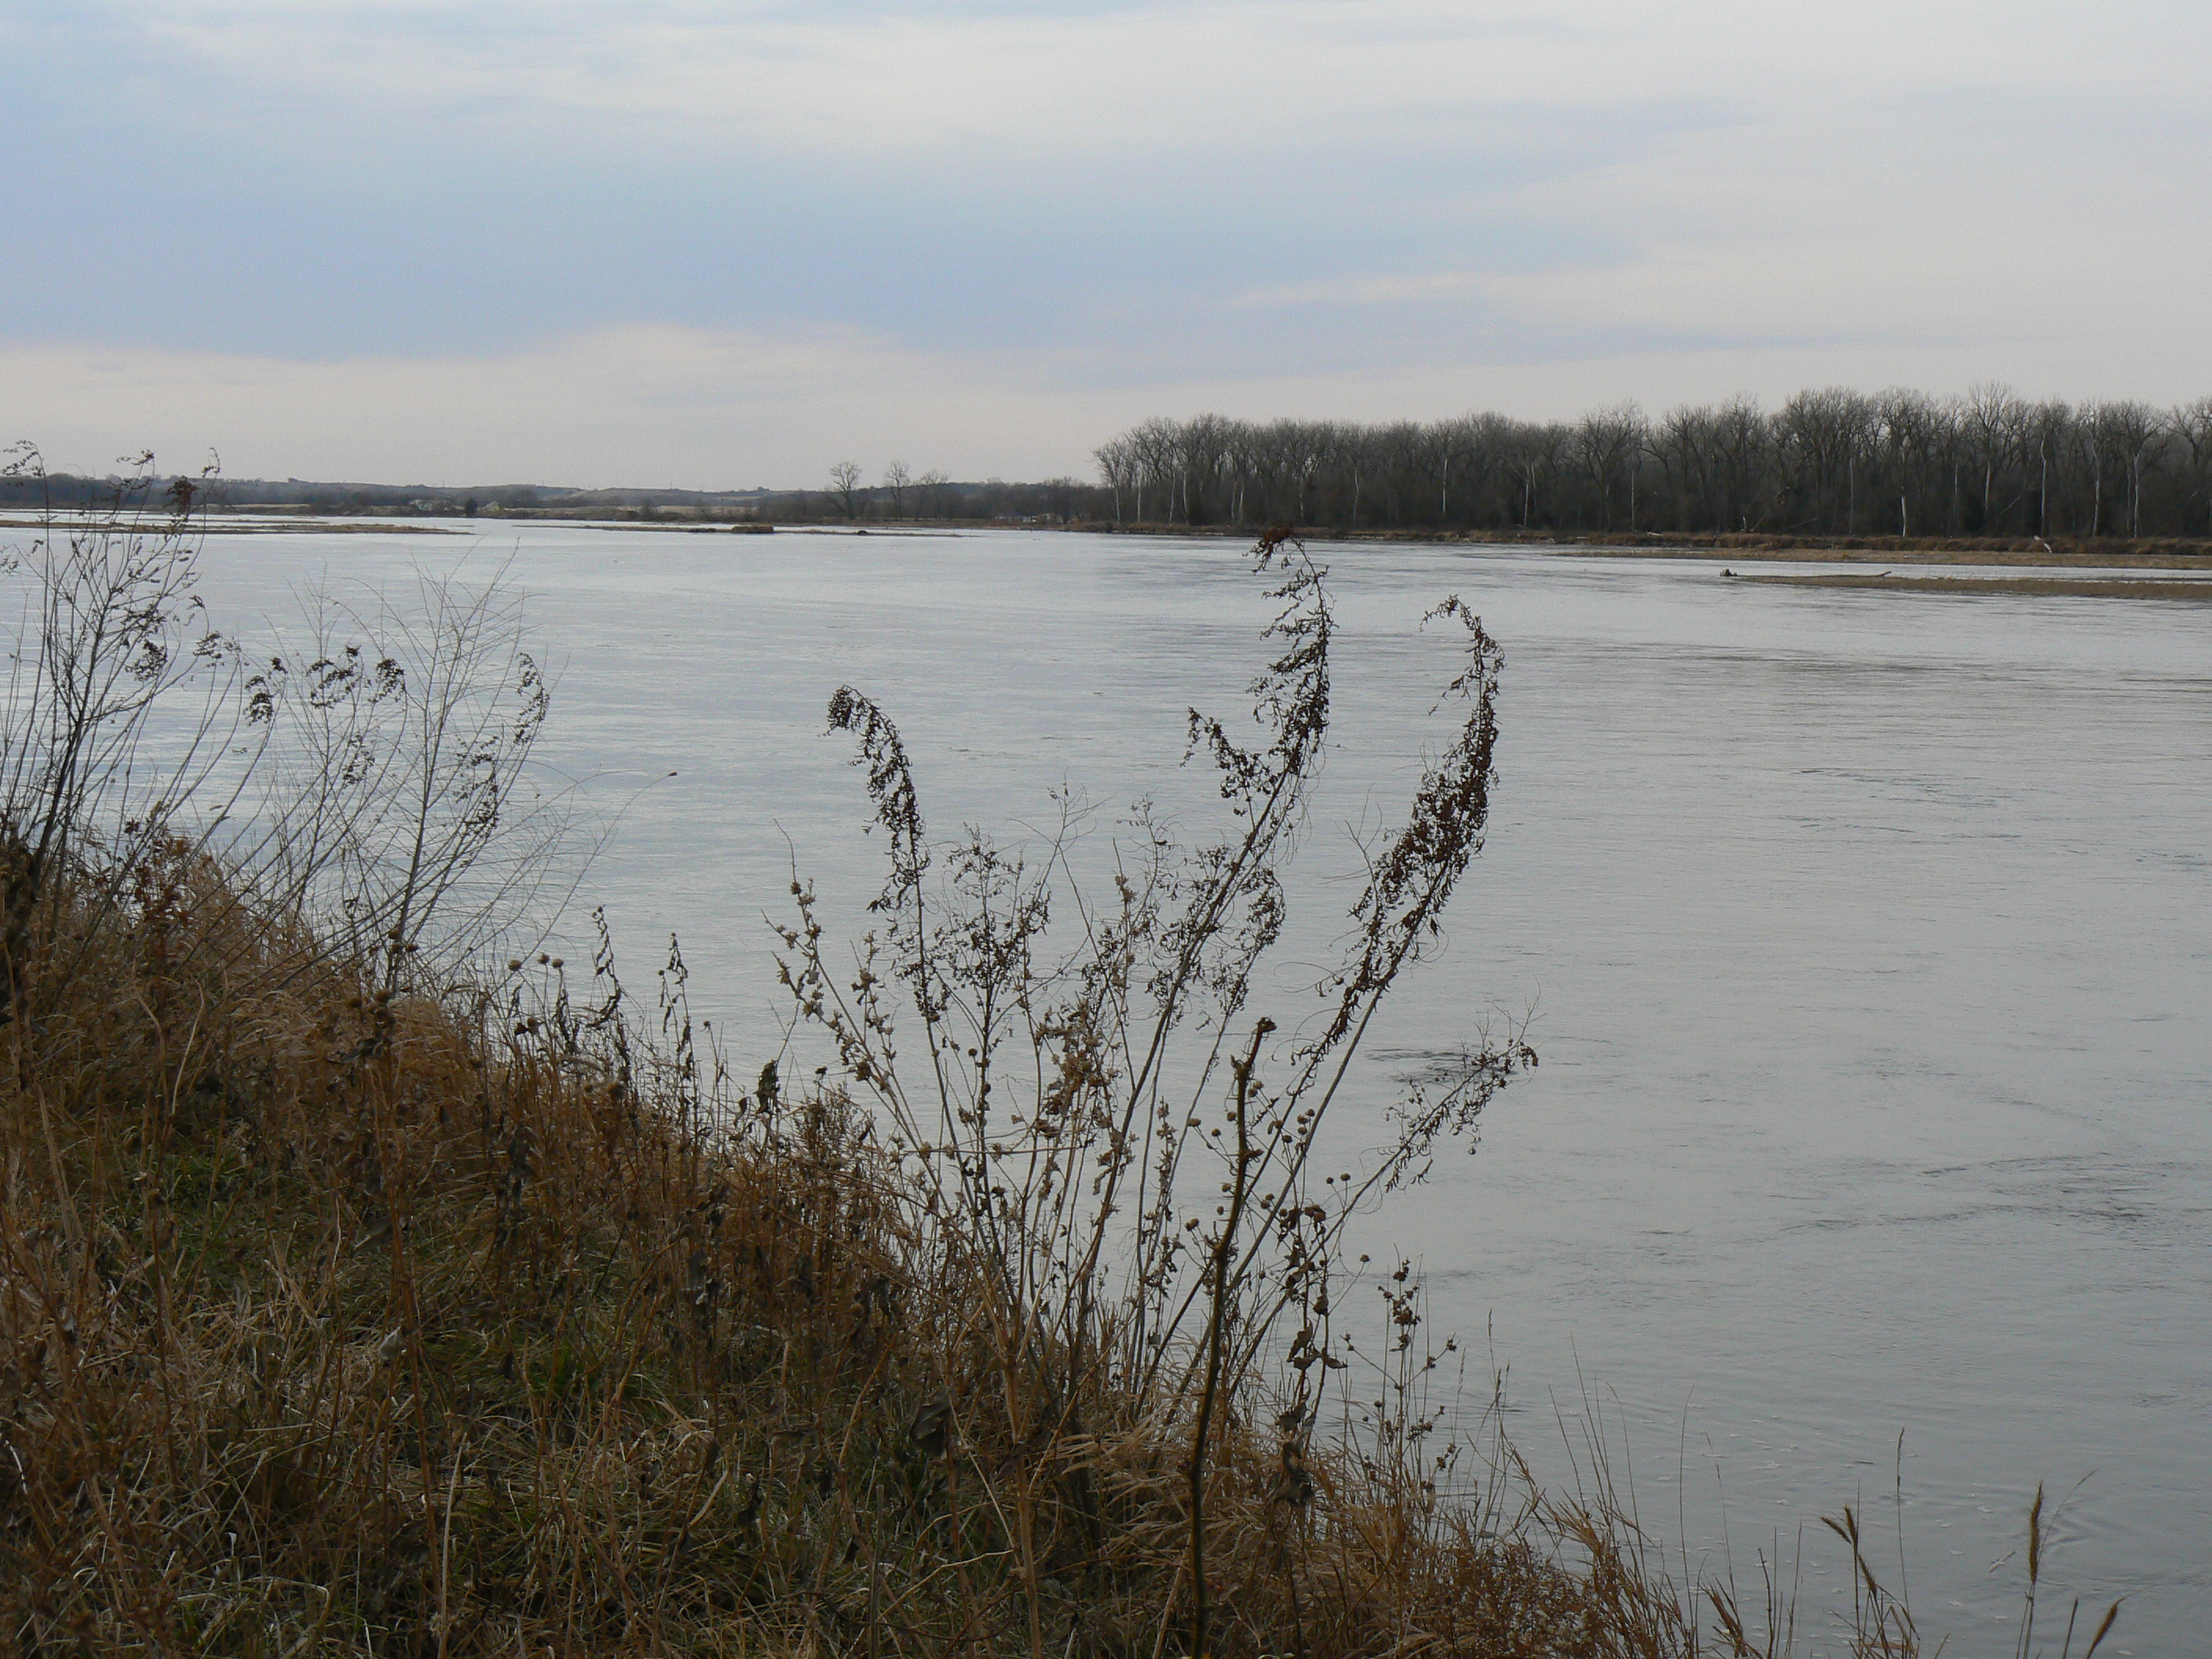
(1867, 938)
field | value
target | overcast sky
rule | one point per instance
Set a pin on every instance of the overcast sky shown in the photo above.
(718, 245)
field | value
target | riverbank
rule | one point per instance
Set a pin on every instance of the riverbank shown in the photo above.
(2156, 554)
(2198, 593)
(2062, 552)
(2102, 553)
(345, 1315)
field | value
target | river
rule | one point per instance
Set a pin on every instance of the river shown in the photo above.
(1867, 938)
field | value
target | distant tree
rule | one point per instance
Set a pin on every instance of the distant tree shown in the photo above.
(1060, 498)
(1453, 446)
(2191, 425)
(845, 487)
(1402, 457)
(1909, 444)
(1118, 467)
(1607, 446)
(2134, 430)
(1355, 448)
(1992, 410)
(1204, 445)
(1823, 433)
(2046, 432)
(1539, 455)
(1157, 441)
(896, 479)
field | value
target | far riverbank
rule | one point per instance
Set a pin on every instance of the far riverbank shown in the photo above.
(2101, 553)
(2154, 553)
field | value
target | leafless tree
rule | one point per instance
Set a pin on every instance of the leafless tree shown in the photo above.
(2192, 426)
(1992, 410)
(896, 479)
(1607, 445)
(1119, 467)
(2133, 430)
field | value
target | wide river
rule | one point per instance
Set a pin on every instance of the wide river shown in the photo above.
(1867, 935)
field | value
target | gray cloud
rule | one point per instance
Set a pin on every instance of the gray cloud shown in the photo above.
(1291, 198)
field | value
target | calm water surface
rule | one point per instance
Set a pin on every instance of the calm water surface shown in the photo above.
(1869, 938)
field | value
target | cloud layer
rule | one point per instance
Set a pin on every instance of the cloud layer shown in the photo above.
(978, 234)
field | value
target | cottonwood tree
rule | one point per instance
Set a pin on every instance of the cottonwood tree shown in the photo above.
(2133, 428)
(1608, 444)
(2192, 426)
(1118, 468)
(1991, 411)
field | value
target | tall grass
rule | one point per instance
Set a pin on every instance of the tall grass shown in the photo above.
(361, 1293)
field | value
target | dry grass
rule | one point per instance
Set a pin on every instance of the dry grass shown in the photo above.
(331, 1324)
(333, 1328)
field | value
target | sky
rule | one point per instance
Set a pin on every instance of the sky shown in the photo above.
(678, 244)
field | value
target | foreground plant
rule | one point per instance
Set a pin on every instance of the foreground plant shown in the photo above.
(1107, 1142)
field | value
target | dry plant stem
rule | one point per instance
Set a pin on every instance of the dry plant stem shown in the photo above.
(1205, 924)
(1217, 1335)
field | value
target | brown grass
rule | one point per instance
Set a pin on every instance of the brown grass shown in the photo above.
(336, 1325)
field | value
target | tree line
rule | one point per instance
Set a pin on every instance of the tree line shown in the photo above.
(1833, 462)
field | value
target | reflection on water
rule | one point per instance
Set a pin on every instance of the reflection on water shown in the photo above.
(1869, 939)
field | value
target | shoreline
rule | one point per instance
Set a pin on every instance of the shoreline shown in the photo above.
(2115, 588)
(2034, 553)
(2146, 553)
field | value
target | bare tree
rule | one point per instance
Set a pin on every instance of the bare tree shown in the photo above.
(1455, 443)
(845, 486)
(2191, 425)
(1606, 444)
(1118, 467)
(2135, 430)
(2048, 430)
(896, 479)
(1991, 412)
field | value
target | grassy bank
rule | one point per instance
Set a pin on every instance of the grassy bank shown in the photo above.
(366, 1288)
(336, 1323)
